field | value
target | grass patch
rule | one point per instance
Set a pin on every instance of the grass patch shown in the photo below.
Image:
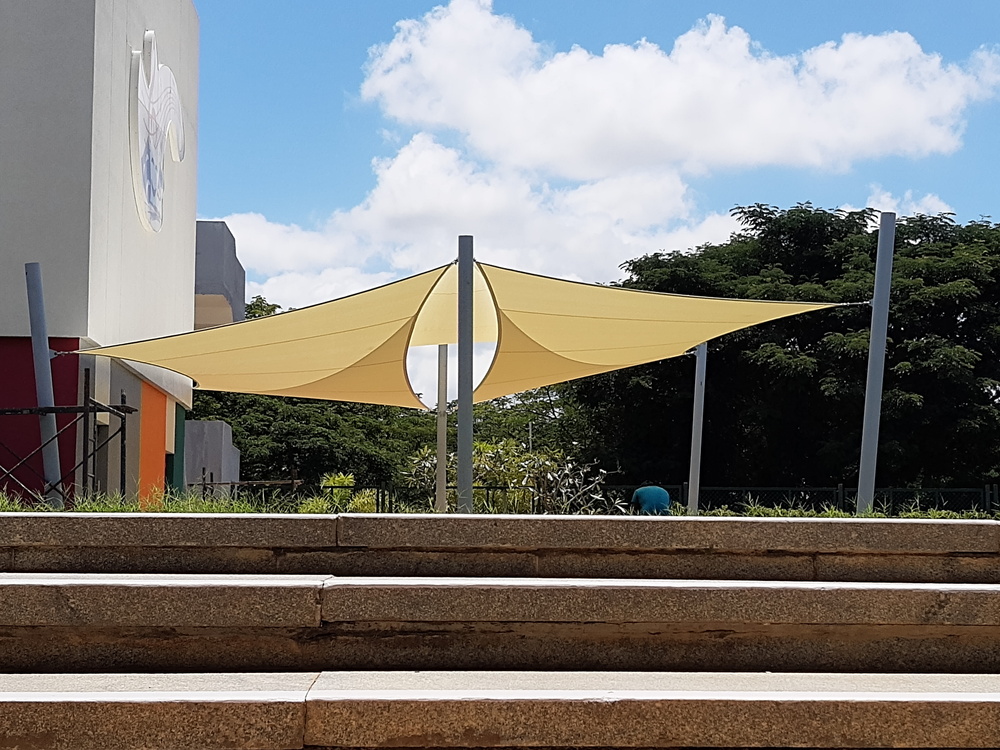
(345, 500)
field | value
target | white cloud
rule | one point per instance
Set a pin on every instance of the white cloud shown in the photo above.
(909, 205)
(299, 289)
(429, 194)
(570, 163)
(715, 99)
(268, 247)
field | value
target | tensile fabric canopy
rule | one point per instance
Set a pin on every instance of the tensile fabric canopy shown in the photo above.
(546, 331)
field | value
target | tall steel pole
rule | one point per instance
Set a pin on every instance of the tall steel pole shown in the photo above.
(876, 362)
(441, 491)
(465, 291)
(41, 358)
(697, 423)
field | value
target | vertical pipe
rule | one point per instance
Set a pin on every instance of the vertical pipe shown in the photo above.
(697, 422)
(41, 357)
(122, 476)
(85, 484)
(465, 291)
(876, 362)
(441, 483)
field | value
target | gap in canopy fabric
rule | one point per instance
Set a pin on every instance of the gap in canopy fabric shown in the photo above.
(422, 366)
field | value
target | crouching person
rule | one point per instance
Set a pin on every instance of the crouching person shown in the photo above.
(651, 500)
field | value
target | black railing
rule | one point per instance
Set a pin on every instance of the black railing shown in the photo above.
(615, 499)
(888, 500)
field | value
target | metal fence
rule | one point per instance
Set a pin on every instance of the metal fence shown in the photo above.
(615, 499)
(889, 500)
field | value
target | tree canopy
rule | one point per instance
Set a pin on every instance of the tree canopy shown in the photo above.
(784, 400)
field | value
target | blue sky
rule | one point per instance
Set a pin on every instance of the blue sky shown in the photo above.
(339, 167)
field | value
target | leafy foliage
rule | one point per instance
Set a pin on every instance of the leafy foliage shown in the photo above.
(279, 437)
(784, 400)
(515, 479)
(543, 419)
(258, 307)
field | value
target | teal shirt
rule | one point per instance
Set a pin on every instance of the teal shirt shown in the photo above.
(652, 500)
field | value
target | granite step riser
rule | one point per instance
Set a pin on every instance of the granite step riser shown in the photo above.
(592, 563)
(505, 646)
(522, 546)
(190, 725)
(308, 711)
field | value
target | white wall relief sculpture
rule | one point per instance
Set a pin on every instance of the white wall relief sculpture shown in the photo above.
(156, 124)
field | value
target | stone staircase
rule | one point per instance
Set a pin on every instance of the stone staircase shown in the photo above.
(315, 632)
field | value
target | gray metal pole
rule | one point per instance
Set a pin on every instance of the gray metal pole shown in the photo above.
(41, 357)
(465, 291)
(441, 492)
(697, 423)
(876, 362)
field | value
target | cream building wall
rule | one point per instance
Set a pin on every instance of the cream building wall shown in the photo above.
(141, 282)
(66, 190)
(46, 123)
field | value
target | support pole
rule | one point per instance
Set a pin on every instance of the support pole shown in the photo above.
(876, 362)
(41, 358)
(697, 423)
(123, 453)
(465, 291)
(441, 490)
(85, 484)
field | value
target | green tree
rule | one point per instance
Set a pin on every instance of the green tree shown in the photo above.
(514, 479)
(258, 307)
(542, 419)
(784, 400)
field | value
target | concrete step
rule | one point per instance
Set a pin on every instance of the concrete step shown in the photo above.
(510, 546)
(497, 709)
(108, 622)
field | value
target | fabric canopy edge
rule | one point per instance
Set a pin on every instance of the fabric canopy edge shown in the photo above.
(588, 284)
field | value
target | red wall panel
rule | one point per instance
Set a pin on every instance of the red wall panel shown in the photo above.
(20, 435)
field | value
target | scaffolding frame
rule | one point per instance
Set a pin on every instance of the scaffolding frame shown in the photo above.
(86, 413)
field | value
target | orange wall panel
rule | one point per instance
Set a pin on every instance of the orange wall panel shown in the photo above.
(152, 444)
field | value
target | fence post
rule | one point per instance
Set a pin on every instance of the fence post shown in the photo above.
(123, 449)
(840, 496)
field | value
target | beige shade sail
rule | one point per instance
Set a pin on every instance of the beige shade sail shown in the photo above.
(354, 349)
(350, 349)
(553, 330)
